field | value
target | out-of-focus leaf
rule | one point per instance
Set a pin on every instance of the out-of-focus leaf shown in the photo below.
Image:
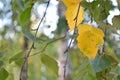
(1, 54)
(112, 59)
(93, 8)
(99, 9)
(82, 67)
(62, 25)
(18, 58)
(29, 3)
(28, 34)
(100, 64)
(20, 4)
(84, 72)
(118, 1)
(25, 16)
(50, 63)
(3, 74)
(117, 70)
(107, 26)
(89, 76)
(116, 22)
(1, 64)
(118, 77)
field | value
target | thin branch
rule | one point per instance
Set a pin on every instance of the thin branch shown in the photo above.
(76, 19)
(24, 72)
(67, 50)
(105, 31)
(47, 45)
(65, 67)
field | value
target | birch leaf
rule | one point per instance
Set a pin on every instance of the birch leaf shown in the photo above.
(71, 15)
(70, 2)
(66, 3)
(89, 39)
(74, 1)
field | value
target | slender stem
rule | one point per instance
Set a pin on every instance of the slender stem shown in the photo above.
(67, 50)
(23, 73)
(47, 45)
(65, 67)
(76, 19)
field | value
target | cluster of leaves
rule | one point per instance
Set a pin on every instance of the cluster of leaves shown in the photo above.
(89, 37)
(100, 67)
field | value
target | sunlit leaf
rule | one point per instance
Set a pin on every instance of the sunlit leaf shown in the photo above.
(25, 15)
(71, 13)
(50, 63)
(100, 63)
(74, 1)
(68, 3)
(71, 16)
(3, 74)
(89, 40)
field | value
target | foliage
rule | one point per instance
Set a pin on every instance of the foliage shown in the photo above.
(89, 39)
(100, 43)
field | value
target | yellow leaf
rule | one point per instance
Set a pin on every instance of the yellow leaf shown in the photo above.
(74, 1)
(89, 39)
(70, 2)
(71, 15)
(83, 28)
(66, 3)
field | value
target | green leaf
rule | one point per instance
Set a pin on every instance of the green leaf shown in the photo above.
(116, 69)
(62, 22)
(17, 58)
(112, 59)
(50, 63)
(98, 9)
(118, 1)
(118, 77)
(3, 74)
(20, 4)
(29, 3)
(1, 54)
(116, 21)
(105, 26)
(28, 34)
(100, 64)
(1, 64)
(25, 15)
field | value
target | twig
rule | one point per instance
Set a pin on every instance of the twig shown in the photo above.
(67, 50)
(76, 19)
(65, 67)
(47, 45)
(24, 69)
(105, 31)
